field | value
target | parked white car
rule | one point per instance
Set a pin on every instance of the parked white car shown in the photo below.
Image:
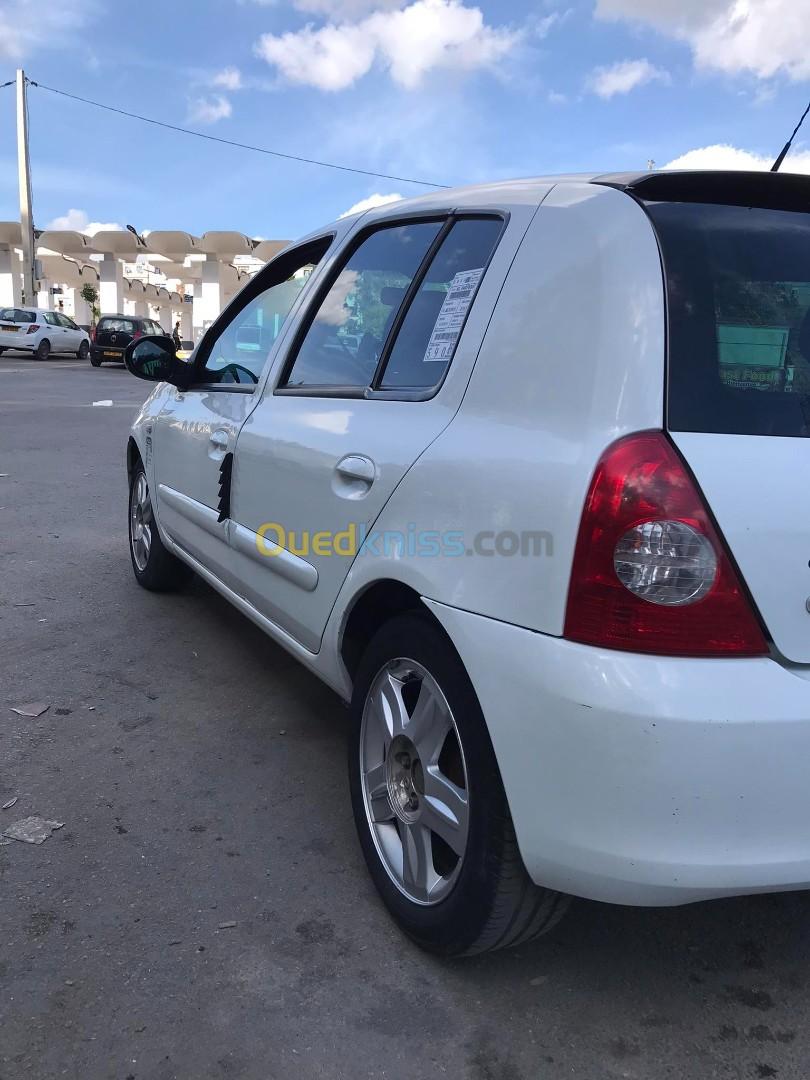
(514, 471)
(28, 329)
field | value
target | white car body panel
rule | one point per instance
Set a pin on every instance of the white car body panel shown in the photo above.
(764, 520)
(304, 440)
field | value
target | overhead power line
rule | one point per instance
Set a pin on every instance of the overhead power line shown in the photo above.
(239, 145)
(9, 83)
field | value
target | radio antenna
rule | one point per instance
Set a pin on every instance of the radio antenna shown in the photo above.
(786, 147)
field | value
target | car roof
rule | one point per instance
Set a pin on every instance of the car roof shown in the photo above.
(710, 185)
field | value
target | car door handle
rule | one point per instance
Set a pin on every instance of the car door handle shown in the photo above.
(219, 439)
(357, 467)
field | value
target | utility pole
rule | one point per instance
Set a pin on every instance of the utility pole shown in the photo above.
(24, 170)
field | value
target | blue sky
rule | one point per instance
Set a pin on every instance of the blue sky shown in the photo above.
(446, 90)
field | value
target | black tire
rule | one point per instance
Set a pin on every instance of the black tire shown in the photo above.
(95, 360)
(162, 571)
(43, 350)
(493, 903)
(84, 351)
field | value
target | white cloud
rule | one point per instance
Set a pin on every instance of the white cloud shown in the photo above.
(624, 76)
(724, 156)
(346, 9)
(764, 37)
(25, 27)
(209, 110)
(370, 203)
(423, 36)
(79, 221)
(230, 78)
(554, 97)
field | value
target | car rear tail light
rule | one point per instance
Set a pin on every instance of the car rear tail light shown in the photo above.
(32, 329)
(93, 330)
(137, 334)
(651, 573)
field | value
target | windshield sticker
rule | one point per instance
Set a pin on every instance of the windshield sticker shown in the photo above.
(452, 315)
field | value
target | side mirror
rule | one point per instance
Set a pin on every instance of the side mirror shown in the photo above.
(155, 359)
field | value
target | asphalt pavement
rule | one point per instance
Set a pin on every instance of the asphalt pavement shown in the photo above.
(204, 911)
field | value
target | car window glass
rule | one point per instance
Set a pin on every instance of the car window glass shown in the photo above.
(120, 326)
(738, 292)
(64, 321)
(432, 326)
(238, 354)
(50, 318)
(346, 337)
(16, 315)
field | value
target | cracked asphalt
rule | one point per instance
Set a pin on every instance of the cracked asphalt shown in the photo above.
(204, 911)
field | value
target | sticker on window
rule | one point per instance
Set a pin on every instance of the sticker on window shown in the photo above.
(452, 315)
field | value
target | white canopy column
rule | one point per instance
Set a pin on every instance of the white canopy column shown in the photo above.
(10, 268)
(208, 294)
(110, 285)
(10, 277)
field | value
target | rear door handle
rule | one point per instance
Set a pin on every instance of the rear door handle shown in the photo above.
(357, 467)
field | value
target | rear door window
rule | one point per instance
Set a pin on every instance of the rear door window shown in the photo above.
(435, 319)
(738, 299)
(351, 325)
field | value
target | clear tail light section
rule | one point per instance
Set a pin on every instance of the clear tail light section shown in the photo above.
(651, 573)
(32, 329)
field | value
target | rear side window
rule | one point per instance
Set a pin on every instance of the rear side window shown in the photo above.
(393, 315)
(432, 326)
(16, 315)
(345, 339)
(738, 299)
(120, 326)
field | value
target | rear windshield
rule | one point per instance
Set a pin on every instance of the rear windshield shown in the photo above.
(738, 299)
(123, 326)
(13, 314)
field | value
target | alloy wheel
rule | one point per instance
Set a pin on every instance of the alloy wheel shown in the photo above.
(141, 522)
(414, 781)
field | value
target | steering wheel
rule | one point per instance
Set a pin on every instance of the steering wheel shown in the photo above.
(234, 370)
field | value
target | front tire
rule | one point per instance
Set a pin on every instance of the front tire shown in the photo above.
(43, 350)
(428, 801)
(155, 568)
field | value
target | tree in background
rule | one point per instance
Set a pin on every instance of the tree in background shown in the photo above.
(89, 294)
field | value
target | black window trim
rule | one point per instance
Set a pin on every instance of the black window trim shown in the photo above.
(371, 390)
(255, 287)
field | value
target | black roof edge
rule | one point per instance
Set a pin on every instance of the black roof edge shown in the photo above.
(778, 191)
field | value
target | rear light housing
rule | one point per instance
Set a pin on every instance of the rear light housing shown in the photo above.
(651, 573)
(93, 330)
(32, 329)
(137, 334)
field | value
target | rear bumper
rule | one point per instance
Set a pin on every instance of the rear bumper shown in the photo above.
(101, 352)
(640, 779)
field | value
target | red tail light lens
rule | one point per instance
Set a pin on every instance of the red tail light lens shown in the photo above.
(137, 334)
(651, 574)
(93, 330)
(32, 329)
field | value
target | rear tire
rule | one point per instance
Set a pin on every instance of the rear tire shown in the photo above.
(84, 351)
(95, 361)
(43, 350)
(155, 568)
(450, 903)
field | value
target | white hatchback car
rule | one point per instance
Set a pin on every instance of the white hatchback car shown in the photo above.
(28, 329)
(514, 470)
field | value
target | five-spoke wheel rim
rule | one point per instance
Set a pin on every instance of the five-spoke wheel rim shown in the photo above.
(414, 781)
(141, 520)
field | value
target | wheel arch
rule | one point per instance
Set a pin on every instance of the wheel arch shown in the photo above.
(133, 456)
(373, 606)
